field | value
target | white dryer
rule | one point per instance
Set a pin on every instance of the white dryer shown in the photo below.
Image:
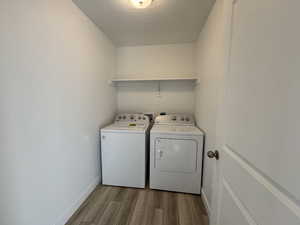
(176, 147)
(124, 151)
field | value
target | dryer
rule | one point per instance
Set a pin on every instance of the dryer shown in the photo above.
(176, 148)
(124, 151)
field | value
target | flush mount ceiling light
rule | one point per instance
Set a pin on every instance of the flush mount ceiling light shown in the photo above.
(141, 4)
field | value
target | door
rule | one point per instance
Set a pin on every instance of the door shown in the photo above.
(176, 155)
(259, 123)
(176, 162)
(123, 159)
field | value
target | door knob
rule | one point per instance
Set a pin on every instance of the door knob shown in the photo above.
(214, 154)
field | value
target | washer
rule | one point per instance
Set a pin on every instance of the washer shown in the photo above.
(176, 147)
(124, 151)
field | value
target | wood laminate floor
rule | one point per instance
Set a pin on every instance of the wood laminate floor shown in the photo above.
(128, 206)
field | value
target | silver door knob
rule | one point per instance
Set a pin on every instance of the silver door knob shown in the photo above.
(214, 154)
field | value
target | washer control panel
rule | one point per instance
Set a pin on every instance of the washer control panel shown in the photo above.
(137, 118)
(175, 119)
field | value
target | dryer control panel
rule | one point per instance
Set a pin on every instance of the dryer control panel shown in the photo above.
(175, 119)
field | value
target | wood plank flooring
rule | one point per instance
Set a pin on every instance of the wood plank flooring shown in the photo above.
(128, 206)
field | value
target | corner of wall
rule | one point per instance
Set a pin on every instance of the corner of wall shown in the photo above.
(77, 203)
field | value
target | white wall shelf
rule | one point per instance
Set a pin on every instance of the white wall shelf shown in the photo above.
(119, 80)
(116, 81)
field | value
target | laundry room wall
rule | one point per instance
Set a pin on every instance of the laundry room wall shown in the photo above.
(156, 61)
(54, 96)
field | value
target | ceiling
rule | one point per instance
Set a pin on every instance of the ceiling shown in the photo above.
(164, 22)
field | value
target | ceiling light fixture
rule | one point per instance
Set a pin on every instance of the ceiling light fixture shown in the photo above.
(141, 4)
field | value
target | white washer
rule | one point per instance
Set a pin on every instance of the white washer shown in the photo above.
(176, 147)
(124, 151)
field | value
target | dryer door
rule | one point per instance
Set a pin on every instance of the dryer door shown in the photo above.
(176, 155)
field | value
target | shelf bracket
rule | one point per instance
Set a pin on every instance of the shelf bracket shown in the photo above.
(158, 89)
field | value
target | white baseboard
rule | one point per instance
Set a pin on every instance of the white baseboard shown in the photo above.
(206, 204)
(77, 203)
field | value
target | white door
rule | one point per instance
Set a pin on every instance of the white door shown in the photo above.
(175, 155)
(259, 143)
(123, 159)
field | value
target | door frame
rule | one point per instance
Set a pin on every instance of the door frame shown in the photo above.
(228, 16)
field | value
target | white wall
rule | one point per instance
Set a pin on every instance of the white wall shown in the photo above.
(156, 60)
(54, 66)
(153, 62)
(210, 67)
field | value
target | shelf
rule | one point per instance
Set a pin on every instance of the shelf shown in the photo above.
(114, 82)
(154, 79)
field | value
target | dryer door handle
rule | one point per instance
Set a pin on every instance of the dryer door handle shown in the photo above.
(159, 154)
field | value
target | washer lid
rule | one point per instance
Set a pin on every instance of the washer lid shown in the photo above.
(179, 130)
(126, 127)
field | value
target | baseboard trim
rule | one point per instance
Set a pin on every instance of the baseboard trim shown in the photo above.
(206, 204)
(77, 203)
